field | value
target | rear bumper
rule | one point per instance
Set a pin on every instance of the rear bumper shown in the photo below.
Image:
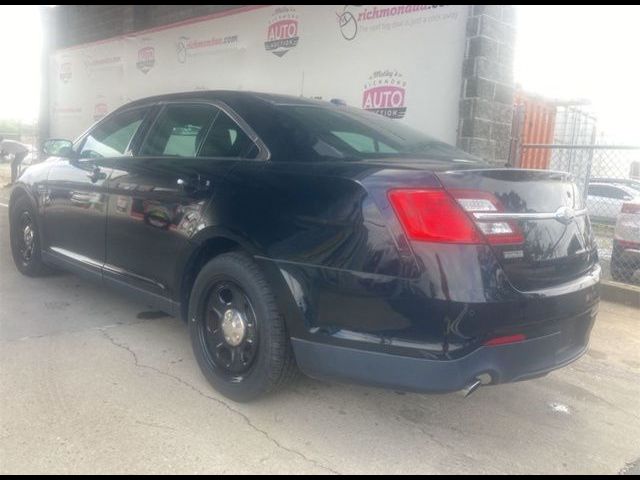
(506, 363)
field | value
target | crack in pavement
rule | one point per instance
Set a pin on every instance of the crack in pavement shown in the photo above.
(225, 405)
(72, 331)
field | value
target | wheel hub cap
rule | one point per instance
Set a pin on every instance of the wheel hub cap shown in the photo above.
(234, 327)
(28, 236)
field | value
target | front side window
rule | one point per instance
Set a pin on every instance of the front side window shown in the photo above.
(111, 137)
(179, 131)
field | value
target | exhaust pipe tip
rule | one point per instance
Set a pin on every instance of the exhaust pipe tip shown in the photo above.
(483, 379)
(472, 387)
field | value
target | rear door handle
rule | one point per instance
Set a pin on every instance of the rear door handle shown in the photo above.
(96, 174)
(194, 184)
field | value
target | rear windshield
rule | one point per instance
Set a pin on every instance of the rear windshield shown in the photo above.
(334, 132)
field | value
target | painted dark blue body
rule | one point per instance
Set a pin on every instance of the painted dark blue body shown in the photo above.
(361, 301)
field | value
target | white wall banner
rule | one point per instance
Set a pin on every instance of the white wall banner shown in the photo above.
(402, 61)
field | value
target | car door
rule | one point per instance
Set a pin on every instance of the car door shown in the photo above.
(76, 199)
(159, 197)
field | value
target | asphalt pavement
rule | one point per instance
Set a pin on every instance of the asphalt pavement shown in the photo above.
(92, 382)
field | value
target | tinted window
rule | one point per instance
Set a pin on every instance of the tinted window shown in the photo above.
(179, 130)
(327, 132)
(111, 137)
(596, 190)
(618, 193)
(226, 139)
(608, 192)
(363, 143)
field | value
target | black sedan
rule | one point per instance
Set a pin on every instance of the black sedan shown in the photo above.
(292, 234)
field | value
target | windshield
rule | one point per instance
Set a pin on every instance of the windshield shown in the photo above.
(332, 132)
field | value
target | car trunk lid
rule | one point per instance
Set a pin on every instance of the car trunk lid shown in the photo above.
(535, 221)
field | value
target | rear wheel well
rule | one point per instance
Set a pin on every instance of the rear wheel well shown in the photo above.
(208, 250)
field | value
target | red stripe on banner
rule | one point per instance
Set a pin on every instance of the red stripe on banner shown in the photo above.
(189, 21)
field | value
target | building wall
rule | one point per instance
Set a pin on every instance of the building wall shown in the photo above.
(486, 103)
(483, 120)
(78, 24)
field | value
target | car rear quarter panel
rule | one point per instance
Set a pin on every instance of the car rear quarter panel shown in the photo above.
(343, 270)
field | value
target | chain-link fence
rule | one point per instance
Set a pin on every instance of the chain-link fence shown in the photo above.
(609, 179)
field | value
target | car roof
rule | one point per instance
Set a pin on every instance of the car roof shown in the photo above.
(227, 96)
(622, 181)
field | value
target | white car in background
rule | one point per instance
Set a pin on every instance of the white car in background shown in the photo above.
(31, 158)
(604, 200)
(625, 256)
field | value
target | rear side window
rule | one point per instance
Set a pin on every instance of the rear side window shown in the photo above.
(111, 137)
(227, 140)
(179, 131)
(319, 132)
(363, 143)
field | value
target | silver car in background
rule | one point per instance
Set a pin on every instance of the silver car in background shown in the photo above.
(625, 256)
(604, 200)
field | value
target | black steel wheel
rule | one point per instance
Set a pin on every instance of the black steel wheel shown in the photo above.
(230, 330)
(237, 332)
(25, 238)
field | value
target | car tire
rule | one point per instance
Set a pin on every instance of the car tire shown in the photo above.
(231, 303)
(25, 239)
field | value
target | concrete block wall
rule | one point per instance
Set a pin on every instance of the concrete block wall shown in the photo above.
(486, 100)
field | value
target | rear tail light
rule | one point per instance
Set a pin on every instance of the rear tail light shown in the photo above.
(433, 215)
(627, 243)
(630, 208)
(496, 232)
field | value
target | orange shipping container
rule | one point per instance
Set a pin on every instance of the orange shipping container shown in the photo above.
(534, 123)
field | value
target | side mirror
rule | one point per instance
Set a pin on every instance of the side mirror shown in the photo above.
(57, 147)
